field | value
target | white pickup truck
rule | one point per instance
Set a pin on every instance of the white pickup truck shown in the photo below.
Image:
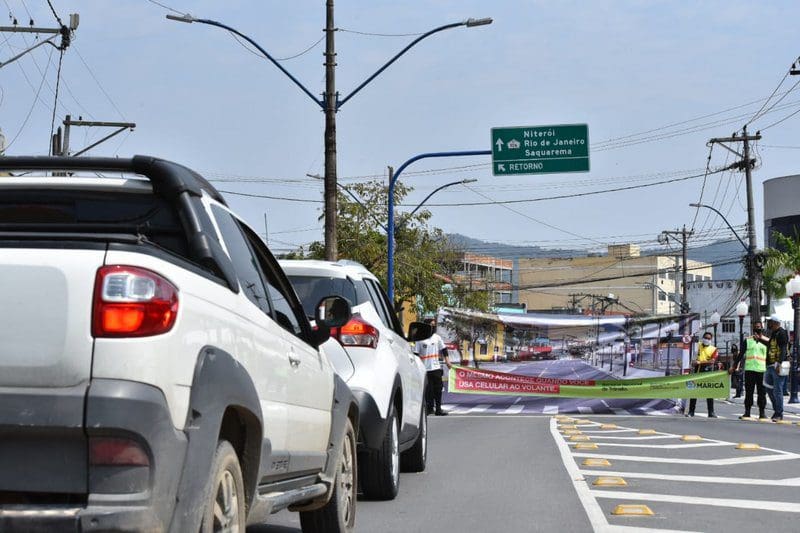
(157, 372)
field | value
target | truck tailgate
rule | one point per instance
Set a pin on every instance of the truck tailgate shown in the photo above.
(45, 367)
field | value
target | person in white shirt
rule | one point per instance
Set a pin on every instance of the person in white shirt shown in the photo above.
(429, 350)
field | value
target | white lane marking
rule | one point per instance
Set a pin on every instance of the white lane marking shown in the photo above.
(707, 462)
(550, 409)
(593, 511)
(599, 435)
(513, 410)
(667, 446)
(789, 482)
(478, 409)
(786, 507)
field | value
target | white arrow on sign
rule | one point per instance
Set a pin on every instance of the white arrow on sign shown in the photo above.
(501, 167)
(499, 144)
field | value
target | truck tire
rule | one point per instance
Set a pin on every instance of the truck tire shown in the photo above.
(415, 458)
(225, 499)
(380, 469)
(339, 514)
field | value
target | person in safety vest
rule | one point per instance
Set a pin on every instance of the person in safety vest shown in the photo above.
(429, 350)
(755, 364)
(706, 362)
(777, 344)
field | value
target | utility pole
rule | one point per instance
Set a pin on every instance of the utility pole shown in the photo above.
(747, 163)
(61, 145)
(682, 237)
(331, 107)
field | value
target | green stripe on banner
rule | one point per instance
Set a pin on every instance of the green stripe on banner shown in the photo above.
(464, 380)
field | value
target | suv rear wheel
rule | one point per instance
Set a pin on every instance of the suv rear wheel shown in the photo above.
(225, 501)
(380, 469)
(339, 514)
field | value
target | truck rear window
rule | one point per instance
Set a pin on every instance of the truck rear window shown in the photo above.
(68, 211)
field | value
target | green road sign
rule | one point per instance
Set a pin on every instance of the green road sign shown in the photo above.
(540, 149)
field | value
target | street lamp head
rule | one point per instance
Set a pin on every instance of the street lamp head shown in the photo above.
(471, 22)
(186, 17)
(471, 180)
(694, 204)
(715, 318)
(793, 285)
(741, 309)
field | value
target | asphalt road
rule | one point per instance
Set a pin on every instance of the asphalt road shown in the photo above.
(522, 472)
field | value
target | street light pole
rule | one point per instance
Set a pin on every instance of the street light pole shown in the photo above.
(715, 318)
(394, 176)
(331, 103)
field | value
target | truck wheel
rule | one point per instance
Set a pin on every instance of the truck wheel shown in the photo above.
(380, 469)
(225, 500)
(339, 514)
(415, 458)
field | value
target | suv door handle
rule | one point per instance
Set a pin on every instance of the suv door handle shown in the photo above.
(294, 361)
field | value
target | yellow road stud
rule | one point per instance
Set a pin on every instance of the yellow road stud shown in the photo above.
(647, 432)
(586, 446)
(692, 438)
(583, 422)
(609, 481)
(596, 462)
(765, 420)
(572, 432)
(608, 426)
(747, 446)
(579, 438)
(784, 422)
(632, 510)
(567, 426)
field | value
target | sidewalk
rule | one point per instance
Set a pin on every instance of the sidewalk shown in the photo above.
(793, 408)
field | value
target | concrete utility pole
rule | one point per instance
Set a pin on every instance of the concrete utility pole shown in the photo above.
(747, 163)
(331, 106)
(682, 237)
(61, 146)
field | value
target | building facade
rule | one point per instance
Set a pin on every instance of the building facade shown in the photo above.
(492, 274)
(721, 296)
(781, 208)
(639, 284)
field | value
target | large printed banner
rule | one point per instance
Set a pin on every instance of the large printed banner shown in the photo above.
(703, 385)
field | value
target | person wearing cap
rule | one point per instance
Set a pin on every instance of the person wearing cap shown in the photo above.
(777, 344)
(755, 364)
(707, 355)
(429, 350)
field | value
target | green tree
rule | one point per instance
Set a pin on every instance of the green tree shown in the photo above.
(422, 253)
(781, 263)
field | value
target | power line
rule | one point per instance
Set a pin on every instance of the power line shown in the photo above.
(370, 34)
(260, 56)
(530, 217)
(781, 120)
(53, 10)
(769, 98)
(165, 7)
(302, 200)
(97, 81)
(703, 187)
(33, 104)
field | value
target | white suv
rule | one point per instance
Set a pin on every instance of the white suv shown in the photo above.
(157, 372)
(375, 358)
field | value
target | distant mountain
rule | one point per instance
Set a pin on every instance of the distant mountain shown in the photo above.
(717, 252)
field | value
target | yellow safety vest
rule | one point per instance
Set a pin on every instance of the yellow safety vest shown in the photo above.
(755, 358)
(705, 354)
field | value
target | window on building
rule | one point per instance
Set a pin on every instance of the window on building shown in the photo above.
(484, 348)
(728, 325)
(662, 296)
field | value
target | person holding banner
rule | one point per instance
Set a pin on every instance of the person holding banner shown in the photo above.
(429, 350)
(755, 364)
(707, 355)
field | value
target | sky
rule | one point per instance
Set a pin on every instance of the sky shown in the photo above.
(654, 81)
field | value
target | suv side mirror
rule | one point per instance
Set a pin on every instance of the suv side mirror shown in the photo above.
(418, 331)
(330, 312)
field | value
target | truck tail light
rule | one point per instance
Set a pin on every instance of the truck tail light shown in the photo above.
(132, 302)
(356, 332)
(112, 451)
